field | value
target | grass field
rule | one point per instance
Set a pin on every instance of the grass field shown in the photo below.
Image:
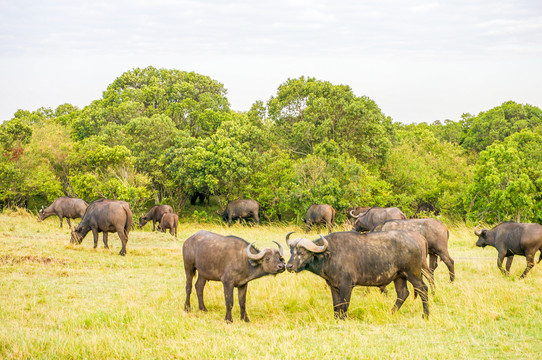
(63, 301)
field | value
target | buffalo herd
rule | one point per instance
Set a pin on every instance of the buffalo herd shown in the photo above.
(382, 247)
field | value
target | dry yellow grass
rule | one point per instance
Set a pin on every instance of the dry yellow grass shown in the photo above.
(63, 301)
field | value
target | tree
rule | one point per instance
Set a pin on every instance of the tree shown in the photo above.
(308, 112)
(508, 180)
(499, 123)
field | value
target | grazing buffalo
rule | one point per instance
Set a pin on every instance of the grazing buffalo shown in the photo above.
(367, 220)
(64, 207)
(154, 214)
(436, 234)
(348, 259)
(511, 238)
(105, 216)
(229, 259)
(169, 221)
(241, 209)
(320, 214)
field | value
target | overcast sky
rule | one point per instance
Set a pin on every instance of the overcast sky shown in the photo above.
(420, 60)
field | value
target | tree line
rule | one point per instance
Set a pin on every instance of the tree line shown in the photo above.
(169, 136)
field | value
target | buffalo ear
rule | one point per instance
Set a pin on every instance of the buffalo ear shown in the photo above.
(484, 233)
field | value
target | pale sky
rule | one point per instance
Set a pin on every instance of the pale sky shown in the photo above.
(419, 60)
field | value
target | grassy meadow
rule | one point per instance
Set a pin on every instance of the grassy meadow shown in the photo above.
(59, 300)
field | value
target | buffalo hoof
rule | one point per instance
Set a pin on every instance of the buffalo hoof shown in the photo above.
(122, 253)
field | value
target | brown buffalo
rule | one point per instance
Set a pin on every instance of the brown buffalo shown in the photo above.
(155, 214)
(64, 207)
(241, 209)
(228, 259)
(169, 221)
(367, 220)
(511, 238)
(320, 214)
(436, 234)
(105, 216)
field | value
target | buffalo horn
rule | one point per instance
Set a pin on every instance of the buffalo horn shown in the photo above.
(281, 252)
(354, 216)
(252, 256)
(312, 247)
(288, 242)
(477, 232)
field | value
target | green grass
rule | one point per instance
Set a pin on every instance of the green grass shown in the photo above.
(63, 301)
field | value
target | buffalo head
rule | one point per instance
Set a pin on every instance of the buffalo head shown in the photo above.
(271, 260)
(41, 214)
(302, 252)
(142, 221)
(482, 237)
(76, 237)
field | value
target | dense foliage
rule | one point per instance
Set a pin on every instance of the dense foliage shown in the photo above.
(169, 136)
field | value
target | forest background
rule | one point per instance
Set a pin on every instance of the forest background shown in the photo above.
(168, 136)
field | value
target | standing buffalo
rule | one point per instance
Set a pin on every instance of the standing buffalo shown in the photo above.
(241, 209)
(229, 259)
(367, 220)
(154, 214)
(436, 234)
(64, 207)
(169, 221)
(105, 216)
(320, 214)
(347, 259)
(511, 238)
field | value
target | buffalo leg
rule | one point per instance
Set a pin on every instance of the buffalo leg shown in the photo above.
(401, 289)
(509, 260)
(242, 292)
(530, 264)
(200, 285)
(433, 262)
(500, 259)
(95, 235)
(308, 228)
(336, 302)
(106, 238)
(189, 272)
(69, 223)
(153, 225)
(345, 292)
(61, 218)
(329, 226)
(123, 239)
(446, 259)
(421, 289)
(256, 219)
(228, 296)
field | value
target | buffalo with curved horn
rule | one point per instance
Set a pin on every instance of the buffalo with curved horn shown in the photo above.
(229, 259)
(348, 259)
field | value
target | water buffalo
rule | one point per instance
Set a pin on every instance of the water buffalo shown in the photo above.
(347, 259)
(241, 209)
(367, 220)
(436, 234)
(169, 221)
(320, 214)
(154, 214)
(64, 207)
(229, 259)
(105, 216)
(511, 238)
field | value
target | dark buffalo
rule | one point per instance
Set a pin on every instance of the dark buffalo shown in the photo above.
(105, 216)
(64, 207)
(169, 221)
(436, 234)
(348, 259)
(154, 214)
(229, 259)
(511, 238)
(320, 214)
(367, 220)
(241, 209)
